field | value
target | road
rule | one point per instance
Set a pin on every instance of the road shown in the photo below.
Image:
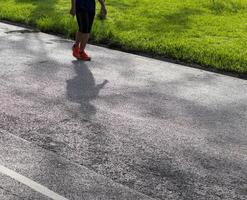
(120, 127)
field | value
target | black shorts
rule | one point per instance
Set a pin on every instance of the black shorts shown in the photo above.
(85, 20)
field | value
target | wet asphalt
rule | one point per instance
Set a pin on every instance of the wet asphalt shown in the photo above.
(120, 127)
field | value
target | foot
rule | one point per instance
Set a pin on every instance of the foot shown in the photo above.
(76, 51)
(84, 56)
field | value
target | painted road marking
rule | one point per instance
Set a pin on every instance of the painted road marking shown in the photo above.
(30, 183)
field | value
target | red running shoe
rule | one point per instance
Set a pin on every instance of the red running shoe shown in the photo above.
(84, 56)
(76, 51)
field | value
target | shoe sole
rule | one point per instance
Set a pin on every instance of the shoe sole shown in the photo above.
(78, 58)
(83, 59)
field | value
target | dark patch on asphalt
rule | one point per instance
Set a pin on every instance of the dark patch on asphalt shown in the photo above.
(44, 61)
(96, 128)
(22, 31)
(65, 120)
(52, 145)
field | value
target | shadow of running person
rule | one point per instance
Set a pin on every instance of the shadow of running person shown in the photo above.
(82, 89)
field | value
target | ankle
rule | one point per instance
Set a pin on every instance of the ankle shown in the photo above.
(76, 45)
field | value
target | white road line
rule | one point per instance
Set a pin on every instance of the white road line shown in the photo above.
(30, 183)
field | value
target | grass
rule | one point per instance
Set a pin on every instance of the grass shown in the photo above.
(211, 33)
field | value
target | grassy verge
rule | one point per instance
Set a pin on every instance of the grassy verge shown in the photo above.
(207, 32)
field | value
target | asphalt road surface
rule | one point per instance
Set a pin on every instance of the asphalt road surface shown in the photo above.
(119, 127)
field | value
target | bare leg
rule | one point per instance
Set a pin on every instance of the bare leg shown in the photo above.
(78, 39)
(81, 40)
(83, 43)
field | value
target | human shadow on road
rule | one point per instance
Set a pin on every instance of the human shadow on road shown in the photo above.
(82, 89)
